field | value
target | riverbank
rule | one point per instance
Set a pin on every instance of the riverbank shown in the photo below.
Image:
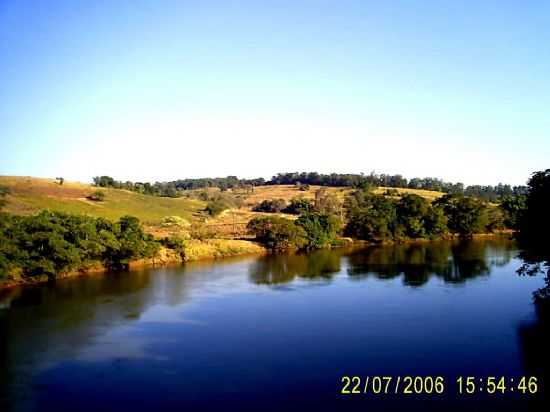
(212, 249)
(195, 250)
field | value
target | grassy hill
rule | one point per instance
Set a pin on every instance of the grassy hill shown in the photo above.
(29, 195)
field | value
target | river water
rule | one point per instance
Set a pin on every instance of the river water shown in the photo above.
(280, 333)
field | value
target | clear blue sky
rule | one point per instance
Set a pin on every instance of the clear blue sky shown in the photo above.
(158, 90)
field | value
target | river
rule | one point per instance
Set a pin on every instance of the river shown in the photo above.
(279, 333)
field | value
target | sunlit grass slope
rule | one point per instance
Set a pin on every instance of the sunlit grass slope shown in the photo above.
(30, 195)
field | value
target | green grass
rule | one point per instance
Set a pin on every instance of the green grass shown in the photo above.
(30, 195)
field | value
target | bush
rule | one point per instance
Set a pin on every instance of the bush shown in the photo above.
(202, 232)
(174, 221)
(174, 243)
(97, 196)
(216, 207)
(270, 206)
(298, 206)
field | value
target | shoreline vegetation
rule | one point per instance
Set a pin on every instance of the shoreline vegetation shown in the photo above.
(216, 249)
(56, 230)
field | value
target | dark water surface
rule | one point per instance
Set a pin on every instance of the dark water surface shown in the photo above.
(278, 332)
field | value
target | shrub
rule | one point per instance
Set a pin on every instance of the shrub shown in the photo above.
(97, 196)
(174, 243)
(202, 232)
(171, 221)
(270, 206)
(299, 205)
(216, 207)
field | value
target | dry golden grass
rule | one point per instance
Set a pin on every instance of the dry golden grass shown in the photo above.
(430, 195)
(219, 248)
(287, 192)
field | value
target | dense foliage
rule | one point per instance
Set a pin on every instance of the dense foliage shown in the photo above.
(377, 218)
(51, 243)
(277, 232)
(320, 229)
(467, 215)
(535, 219)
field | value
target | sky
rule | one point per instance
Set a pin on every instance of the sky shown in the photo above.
(162, 90)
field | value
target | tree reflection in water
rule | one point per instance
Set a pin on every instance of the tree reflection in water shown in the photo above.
(284, 268)
(453, 261)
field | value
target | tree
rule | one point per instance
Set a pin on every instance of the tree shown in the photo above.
(466, 215)
(435, 222)
(104, 181)
(370, 217)
(535, 221)
(277, 232)
(321, 229)
(514, 208)
(412, 211)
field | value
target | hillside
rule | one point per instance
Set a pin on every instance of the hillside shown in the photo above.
(29, 195)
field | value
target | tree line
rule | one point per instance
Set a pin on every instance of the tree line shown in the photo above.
(177, 187)
(378, 218)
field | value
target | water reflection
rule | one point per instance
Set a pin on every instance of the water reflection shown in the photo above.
(280, 269)
(453, 261)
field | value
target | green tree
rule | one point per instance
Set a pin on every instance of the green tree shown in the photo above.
(277, 232)
(321, 229)
(467, 215)
(371, 217)
(514, 207)
(412, 211)
(435, 222)
(535, 221)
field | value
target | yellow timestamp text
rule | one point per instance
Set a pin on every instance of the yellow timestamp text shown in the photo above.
(417, 385)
